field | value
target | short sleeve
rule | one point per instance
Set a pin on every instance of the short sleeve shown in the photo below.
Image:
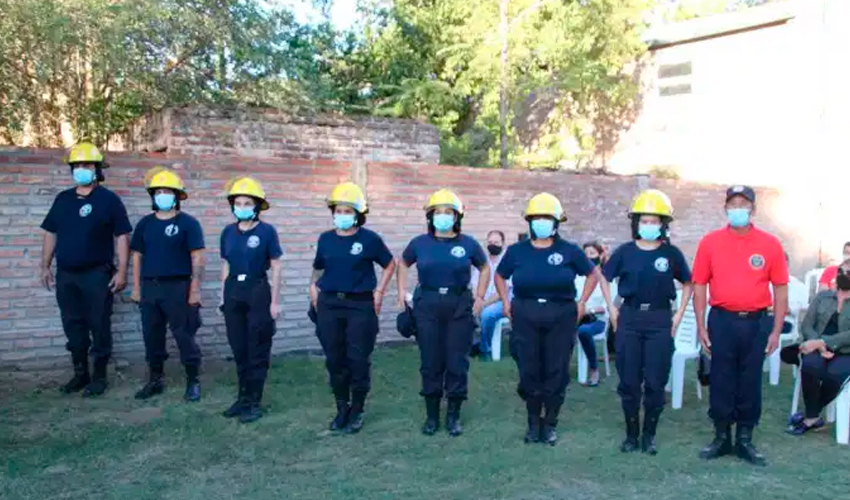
(409, 254)
(582, 264)
(479, 259)
(383, 256)
(319, 260)
(702, 263)
(275, 251)
(778, 266)
(613, 268)
(51, 220)
(120, 222)
(195, 235)
(508, 264)
(681, 270)
(222, 241)
(137, 242)
(828, 275)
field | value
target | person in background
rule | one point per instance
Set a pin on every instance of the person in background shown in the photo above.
(544, 311)
(647, 269)
(825, 352)
(492, 311)
(168, 267)
(827, 279)
(738, 263)
(590, 325)
(84, 227)
(249, 248)
(347, 298)
(444, 308)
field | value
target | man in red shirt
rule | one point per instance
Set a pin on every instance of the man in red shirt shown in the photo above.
(738, 263)
(827, 279)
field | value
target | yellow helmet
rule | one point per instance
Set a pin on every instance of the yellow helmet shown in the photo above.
(545, 204)
(652, 202)
(85, 152)
(349, 193)
(162, 178)
(246, 186)
(444, 198)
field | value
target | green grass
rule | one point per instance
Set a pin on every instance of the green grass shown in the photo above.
(55, 447)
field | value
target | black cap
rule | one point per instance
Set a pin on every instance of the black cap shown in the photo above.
(745, 191)
(404, 323)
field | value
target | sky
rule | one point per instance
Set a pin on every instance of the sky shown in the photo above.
(343, 12)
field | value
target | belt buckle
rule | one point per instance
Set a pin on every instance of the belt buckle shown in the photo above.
(340, 295)
(241, 277)
(542, 301)
(644, 307)
(443, 291)
(743, 314)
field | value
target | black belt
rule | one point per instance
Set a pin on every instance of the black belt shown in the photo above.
(633, 303)
(745, 314)
(351, 295)
(167, 279)
(445, 290)
(540, 300)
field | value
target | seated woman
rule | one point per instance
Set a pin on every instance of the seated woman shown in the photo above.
(590, 325)
(825, 353)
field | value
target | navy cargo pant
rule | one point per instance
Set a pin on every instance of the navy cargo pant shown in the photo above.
(250, 328)
(85, 304)
(165, 302)
(738, 341)
(545, 334)
(347, 326)
(444, 330)
(644, 355)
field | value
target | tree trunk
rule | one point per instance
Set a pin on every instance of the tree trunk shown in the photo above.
(503, 85)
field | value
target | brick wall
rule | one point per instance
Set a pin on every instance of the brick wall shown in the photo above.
(30, 329)
(269, 133)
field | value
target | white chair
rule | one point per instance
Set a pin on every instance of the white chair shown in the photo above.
(798, 298)
(811, 280)
(583, 370)
(838, 411)
(496, 341)
(687, 347)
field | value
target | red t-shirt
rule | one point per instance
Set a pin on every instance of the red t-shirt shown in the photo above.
(739, 268)
(828, 275)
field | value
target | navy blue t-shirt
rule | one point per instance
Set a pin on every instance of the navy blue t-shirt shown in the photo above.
(647, 275)
(349, 261)
(166, 245)
(85, 227)
(250, 252)
(444, 262)
(544, 273)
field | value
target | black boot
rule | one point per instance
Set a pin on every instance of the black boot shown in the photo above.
(355, 420)
(630, 444)
(81, 375)
(98, 384)
(745, 448)
(650, 424)
(453, 417)
(342, 411)
(550, 421)
(534, 407)
(432, 416)
(155, 383)
(722, 444)
(193, 384)
(252, 411)
(241, 401)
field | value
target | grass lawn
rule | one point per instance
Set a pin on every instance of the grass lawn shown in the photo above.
(54, 447)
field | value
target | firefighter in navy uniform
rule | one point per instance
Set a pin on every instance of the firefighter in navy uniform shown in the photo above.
(443, 306)
(647, 269)
(168, 266)
(544, 311)
(347, 298)
(81, 230)
(249, 248)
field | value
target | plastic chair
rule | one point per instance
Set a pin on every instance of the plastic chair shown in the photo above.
(797, 299)
(584, 363)
(811, 279)
(496, 341)
(687, 347)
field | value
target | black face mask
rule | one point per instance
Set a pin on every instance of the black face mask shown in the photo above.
(494, 249)
(595, 261)
(842, 281)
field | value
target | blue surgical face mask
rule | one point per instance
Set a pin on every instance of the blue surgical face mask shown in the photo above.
(542, 228)
(243, 213)
(83, 176)
(649, 232)
(444, 222)
(164, 201)
(738, 217)
(343, 221)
